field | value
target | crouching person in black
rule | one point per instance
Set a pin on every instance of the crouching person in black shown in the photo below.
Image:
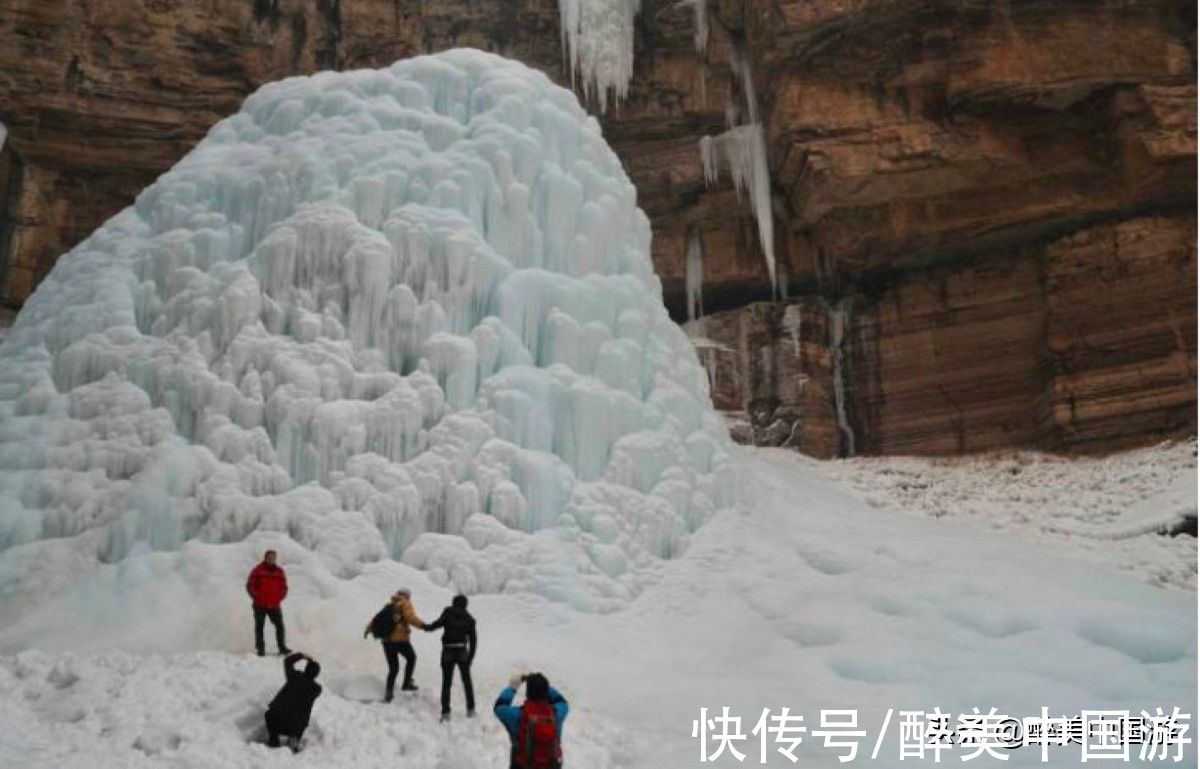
(288, 714)
(459, 644)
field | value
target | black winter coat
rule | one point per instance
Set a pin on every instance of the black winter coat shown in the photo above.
(458, 628)
(292, 706)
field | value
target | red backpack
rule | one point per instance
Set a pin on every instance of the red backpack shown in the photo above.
(537, 745)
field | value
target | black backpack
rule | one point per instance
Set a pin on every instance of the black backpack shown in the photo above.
(383, 623)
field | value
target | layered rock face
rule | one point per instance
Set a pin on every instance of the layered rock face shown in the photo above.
(981, 209)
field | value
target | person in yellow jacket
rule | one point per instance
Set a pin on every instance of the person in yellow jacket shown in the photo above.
(392, 625)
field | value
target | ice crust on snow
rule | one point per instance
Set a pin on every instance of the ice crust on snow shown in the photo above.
(598, 42)
(406, 312)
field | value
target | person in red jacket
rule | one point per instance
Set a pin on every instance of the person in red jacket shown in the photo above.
(268, 587)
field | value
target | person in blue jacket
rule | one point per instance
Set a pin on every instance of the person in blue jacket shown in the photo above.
(535, 727)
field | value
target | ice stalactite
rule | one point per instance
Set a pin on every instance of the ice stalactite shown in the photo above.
(742, 150)
(699, 24)
(740, 63)
(598, 38)
(839, 324)
(694, 274)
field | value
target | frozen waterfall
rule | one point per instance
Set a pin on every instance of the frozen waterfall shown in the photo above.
(598, 38)
(406, 312)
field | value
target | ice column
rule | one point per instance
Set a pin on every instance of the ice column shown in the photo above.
(598, 37)
(700, 29)
(839, 320)
(743, 151)
(694, 274)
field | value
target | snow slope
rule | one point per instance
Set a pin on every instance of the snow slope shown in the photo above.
(406, 312)
(808, 598)
(1109, 510)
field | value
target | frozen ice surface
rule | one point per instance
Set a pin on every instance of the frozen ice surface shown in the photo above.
(807, 598)
(405, 313)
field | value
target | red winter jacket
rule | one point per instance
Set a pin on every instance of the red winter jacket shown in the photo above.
(267, 585)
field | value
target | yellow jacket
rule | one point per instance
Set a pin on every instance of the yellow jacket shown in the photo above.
(406, 618)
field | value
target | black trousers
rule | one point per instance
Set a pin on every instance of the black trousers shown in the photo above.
(260, 616)
(452, 658)
(394, 650)
(275, 730)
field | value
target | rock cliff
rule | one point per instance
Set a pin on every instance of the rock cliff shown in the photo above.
(983, 210)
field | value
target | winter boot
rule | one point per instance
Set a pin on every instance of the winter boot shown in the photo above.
(445, 717)
(409, 686)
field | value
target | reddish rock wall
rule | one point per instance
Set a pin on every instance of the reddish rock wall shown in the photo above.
(960, 174)
(1085, 344)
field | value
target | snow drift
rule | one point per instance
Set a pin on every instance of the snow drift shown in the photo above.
(402, 313)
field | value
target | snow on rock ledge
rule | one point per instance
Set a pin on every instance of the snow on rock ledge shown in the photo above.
(406, 312)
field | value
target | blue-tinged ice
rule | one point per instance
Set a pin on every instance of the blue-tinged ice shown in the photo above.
(405, 313)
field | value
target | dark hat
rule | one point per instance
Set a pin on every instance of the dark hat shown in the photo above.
(537, 687)
(459, 602)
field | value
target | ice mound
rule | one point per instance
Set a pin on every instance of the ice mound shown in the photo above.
(402, 313)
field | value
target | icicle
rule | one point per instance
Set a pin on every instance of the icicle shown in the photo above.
(744, 152)
(694, 274)
(700, 30)
(839, 320)
(741, 67)
(598, 37)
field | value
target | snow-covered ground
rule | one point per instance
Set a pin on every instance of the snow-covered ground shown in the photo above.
(1109, 510)
(807, 598)
(403, 327)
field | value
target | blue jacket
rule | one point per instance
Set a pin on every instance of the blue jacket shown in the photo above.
(510, 714)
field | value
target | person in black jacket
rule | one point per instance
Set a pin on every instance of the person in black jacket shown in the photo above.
(288, 714)
(459, 644)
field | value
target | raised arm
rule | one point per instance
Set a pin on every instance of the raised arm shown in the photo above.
(289, 663)
(561, 708)
(508, 714)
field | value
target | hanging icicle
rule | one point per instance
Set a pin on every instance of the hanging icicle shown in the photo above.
(598, 38)
(839, 322)
(694, 274)
(743, 152)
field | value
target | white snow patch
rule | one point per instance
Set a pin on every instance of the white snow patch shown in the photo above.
(1109, 510)
(809, 598)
